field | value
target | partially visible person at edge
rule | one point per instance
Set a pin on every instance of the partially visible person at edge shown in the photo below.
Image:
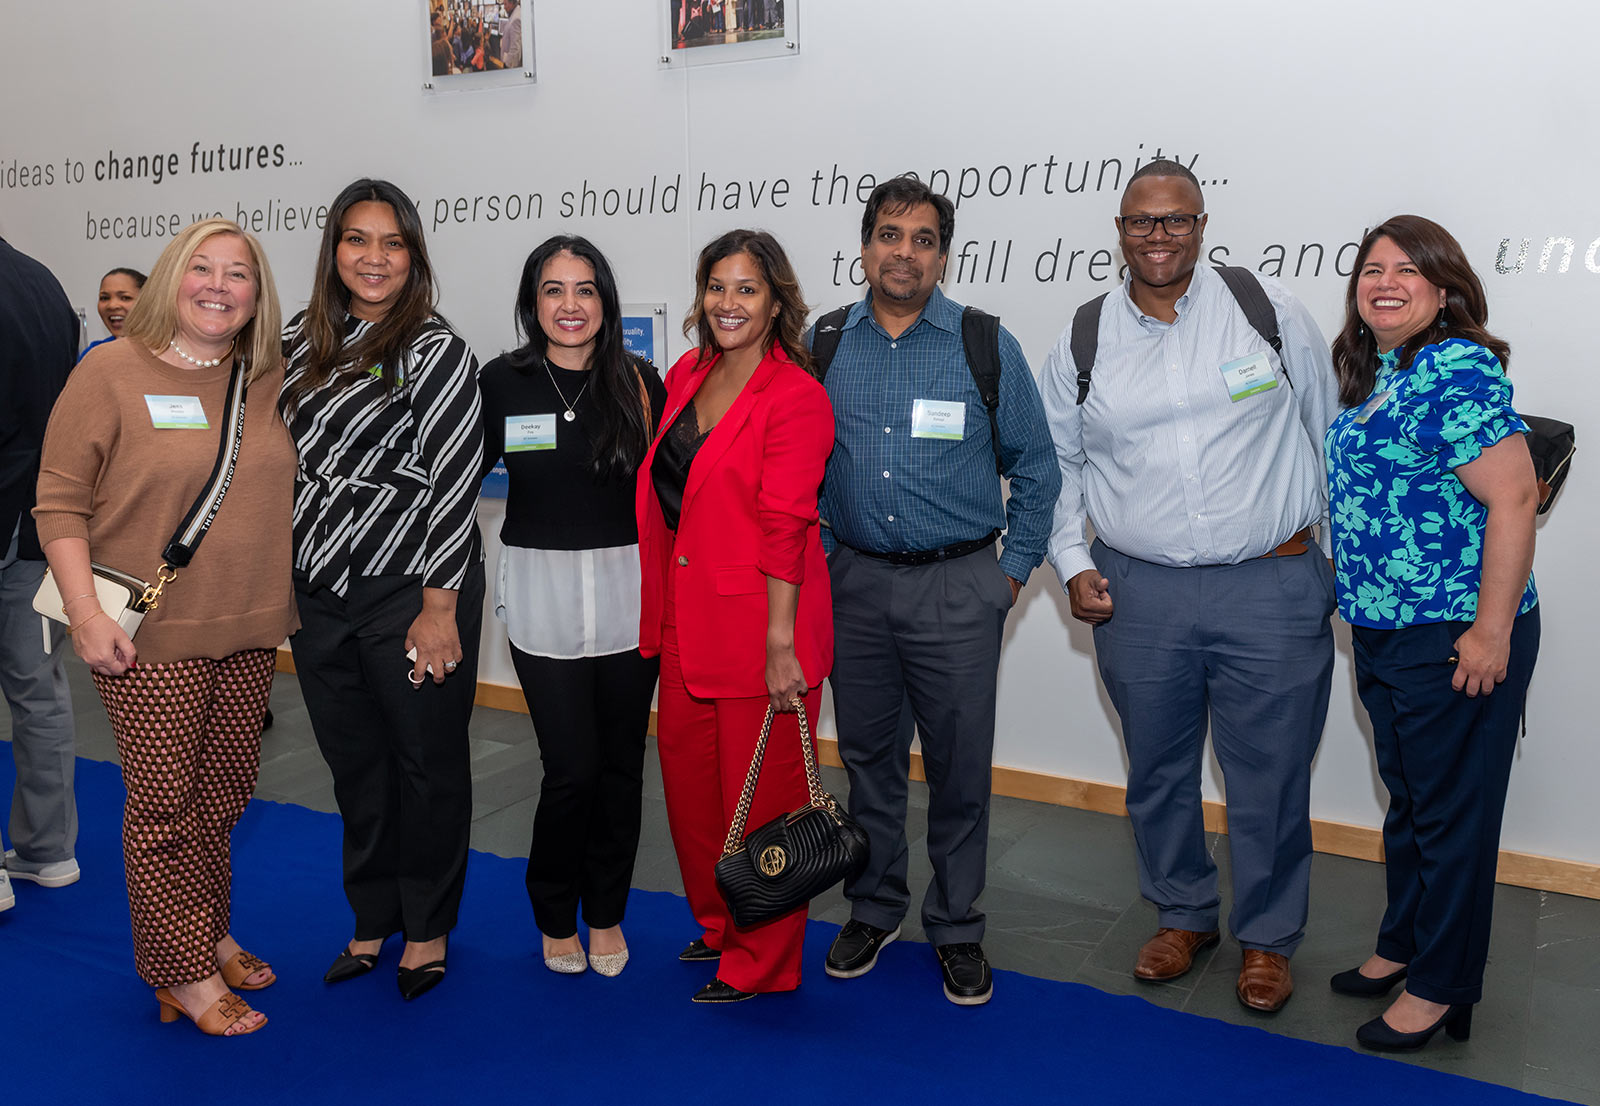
(381, 400)
(573, 412)
(735, 589)
(186, 700)
(119, 291)
(1433, 499)
(38, 342)
(920, 595)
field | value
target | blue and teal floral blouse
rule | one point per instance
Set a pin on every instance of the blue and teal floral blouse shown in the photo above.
(1407, 535)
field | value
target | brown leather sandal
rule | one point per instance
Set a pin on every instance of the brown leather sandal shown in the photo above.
(223, 1015)
(241, 966)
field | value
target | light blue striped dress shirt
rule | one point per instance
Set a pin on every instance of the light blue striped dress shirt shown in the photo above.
(888, 492)
(1167, 467)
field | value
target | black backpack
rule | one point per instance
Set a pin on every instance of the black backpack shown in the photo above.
(1246, 289)
(980, 337)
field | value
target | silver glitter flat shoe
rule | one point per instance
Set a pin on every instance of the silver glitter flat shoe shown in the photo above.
(609, 963)
(571, 963)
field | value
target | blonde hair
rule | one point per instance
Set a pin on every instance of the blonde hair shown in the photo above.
(154, 318)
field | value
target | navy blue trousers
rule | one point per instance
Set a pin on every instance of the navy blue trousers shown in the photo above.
(1446, 760)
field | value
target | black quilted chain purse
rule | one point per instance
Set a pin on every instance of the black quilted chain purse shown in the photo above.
(795, 856)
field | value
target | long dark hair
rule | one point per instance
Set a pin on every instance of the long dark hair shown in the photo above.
(1443, 263)
(788, 328)
(388, 342)
(621, 427)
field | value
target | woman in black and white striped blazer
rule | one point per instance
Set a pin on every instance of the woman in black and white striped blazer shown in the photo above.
(381, 399)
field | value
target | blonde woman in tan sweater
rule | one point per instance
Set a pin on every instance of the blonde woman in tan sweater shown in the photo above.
(131, 444)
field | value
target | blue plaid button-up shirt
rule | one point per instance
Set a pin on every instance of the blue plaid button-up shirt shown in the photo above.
(886, 491)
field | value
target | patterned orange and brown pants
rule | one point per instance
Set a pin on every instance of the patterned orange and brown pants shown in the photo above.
(189, 736)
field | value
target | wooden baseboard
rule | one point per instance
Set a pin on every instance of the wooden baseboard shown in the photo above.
(1542, 873)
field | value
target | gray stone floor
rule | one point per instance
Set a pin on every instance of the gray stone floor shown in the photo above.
(1063, 904)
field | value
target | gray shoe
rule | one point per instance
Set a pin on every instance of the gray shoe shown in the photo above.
(57, 873)
(8, 897)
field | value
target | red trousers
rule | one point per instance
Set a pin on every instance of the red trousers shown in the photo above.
(705, 747)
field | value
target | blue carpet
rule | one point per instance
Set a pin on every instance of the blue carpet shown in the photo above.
(77, 1026)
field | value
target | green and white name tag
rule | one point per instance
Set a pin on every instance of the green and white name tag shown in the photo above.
(176, 412)
(1249, 376)
(1369, 408)
(933, 418)
(525, 432)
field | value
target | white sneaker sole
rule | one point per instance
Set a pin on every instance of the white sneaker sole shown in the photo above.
(34, 877)
(969, 1000)
(853, 973)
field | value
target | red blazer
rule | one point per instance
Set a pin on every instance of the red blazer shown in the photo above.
(749, 512)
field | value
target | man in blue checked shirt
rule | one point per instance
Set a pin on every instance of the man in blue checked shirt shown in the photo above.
(1196, 451)
(915, 506)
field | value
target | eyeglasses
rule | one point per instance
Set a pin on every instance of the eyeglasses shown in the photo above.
(1141, 226)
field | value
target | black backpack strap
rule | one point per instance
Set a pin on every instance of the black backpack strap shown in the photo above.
(1086, 341)
(980, 337)
(1256, 307)
(825, 339)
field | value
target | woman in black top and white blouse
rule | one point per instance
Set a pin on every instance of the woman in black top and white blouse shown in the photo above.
(382, 402)
(573, 414)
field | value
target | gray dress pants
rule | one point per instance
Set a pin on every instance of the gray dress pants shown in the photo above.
(1249, 649)
(919, 645)
(44, 812)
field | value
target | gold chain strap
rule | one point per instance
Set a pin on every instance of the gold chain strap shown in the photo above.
(819, 797)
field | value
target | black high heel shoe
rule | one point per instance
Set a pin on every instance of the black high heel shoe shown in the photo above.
(349, 965)
(420, 980)
(1353, 982)
(1380, 1036)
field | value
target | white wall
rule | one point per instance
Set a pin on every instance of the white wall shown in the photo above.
(1316, 120)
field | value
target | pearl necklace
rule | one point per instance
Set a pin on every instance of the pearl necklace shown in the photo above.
(569, 414)
(195, 361)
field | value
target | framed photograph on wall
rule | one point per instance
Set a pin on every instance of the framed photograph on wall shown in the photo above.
(472, 44)
(702, 32)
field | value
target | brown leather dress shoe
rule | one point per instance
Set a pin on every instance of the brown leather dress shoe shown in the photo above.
(1170, 953)
(1264, 981)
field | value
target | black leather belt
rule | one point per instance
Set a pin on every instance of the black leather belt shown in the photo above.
(933, 556)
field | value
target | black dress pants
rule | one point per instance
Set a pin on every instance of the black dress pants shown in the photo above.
(590, 715)
(398, 754)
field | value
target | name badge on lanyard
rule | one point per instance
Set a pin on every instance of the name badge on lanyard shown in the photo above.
(1370, 408)
(932, 418)
(176, 412)
(1248, 376)
(526, 432)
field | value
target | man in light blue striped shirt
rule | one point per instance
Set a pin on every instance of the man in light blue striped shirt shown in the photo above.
(1197, 455)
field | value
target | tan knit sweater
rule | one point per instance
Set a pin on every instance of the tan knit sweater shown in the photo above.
(109, 476)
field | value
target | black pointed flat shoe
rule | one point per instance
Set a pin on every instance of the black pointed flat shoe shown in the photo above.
(419, 981)
(720, 992)
(1352, 982)
(699, 950)
(349, 965)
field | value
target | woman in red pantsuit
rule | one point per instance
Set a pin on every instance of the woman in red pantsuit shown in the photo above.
(735, 588)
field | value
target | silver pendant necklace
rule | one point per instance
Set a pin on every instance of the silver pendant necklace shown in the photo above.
(569, 414)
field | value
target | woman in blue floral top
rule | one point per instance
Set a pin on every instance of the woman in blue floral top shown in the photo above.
(1432, 499)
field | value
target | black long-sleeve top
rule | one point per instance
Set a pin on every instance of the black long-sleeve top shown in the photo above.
(554, 500)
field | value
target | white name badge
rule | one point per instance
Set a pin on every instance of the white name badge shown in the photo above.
(525, 432)
(1248, 376)
(932, 418)
(176, 412)
(1369, 408)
